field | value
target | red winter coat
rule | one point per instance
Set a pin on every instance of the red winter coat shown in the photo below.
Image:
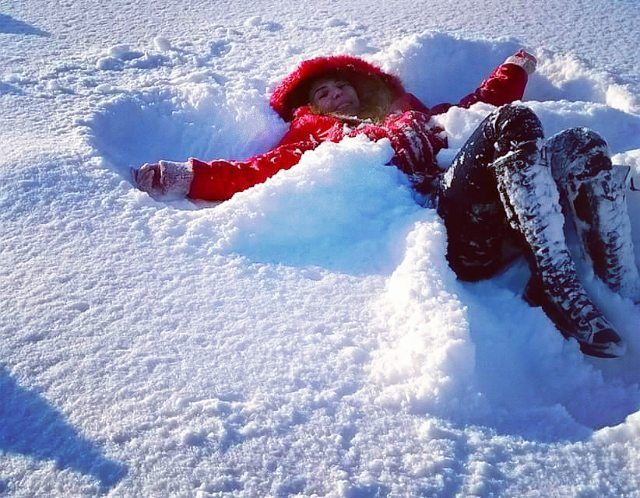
(415, 138)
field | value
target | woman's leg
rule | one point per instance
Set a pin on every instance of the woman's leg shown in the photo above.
(594, 195)
(480, 239)
(502, 160)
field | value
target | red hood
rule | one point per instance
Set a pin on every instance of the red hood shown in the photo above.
(292, 92)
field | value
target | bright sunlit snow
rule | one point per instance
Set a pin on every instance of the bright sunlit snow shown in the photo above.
(306, 337)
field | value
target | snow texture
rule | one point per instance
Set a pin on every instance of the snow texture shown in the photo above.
(306, 337)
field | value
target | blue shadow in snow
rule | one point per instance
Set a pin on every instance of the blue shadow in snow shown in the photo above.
(12, 26)
(7, 89)
(30, 426)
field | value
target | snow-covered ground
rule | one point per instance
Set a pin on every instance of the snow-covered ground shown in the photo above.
(306, 337)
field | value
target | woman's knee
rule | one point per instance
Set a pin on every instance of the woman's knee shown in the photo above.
(515, 111)
(578, 152)
(579, 141)
(516, 123)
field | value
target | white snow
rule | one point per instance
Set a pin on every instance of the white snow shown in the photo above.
(306, 337)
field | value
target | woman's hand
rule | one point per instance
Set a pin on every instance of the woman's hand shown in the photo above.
(147, 177)
(164, 180)
(523, 59)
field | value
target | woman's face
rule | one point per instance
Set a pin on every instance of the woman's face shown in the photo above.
(334, 95)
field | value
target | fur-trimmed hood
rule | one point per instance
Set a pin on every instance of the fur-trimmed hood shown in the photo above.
(293, 91)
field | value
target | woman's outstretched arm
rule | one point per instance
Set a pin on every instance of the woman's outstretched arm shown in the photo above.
(215, 180)
(504, 85)
(219, 180)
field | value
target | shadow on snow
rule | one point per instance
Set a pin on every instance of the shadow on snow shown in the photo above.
(32, 427)
(12, 26)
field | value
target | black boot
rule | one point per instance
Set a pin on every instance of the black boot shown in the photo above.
(531, 200)
(605, 343)
(594, 193)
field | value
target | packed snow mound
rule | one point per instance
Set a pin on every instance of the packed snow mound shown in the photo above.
(342, 207)
(426, 358)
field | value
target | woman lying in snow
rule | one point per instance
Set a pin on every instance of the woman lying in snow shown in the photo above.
(500, 197)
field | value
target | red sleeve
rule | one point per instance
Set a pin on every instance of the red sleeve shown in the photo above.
(219, 180)
(504, 85)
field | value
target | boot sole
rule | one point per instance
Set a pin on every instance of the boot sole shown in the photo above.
(533, 297)
(610, 350)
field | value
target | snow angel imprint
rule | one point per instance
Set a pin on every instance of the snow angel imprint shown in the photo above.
(500, 198)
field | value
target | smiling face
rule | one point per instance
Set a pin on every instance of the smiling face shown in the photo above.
(334, 95)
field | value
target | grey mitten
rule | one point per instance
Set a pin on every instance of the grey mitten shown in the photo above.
(165, 180)
(523, 59)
